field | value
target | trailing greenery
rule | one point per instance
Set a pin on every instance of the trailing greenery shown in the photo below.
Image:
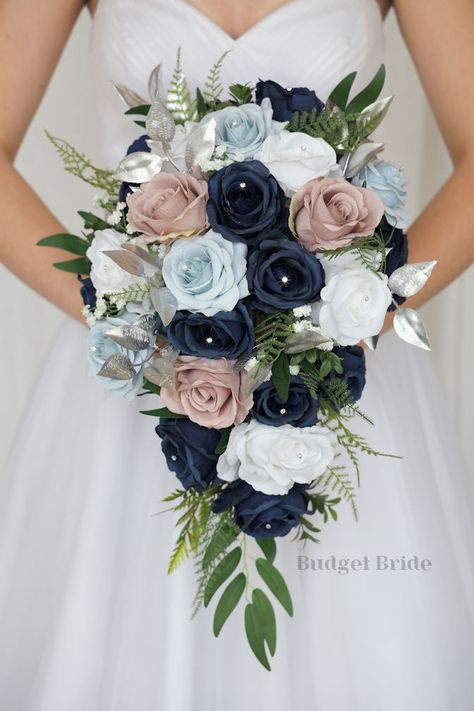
(77, 164)
(364, 249)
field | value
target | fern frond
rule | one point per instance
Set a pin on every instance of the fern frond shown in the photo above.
(339, 481)
(178, 100)
(213, 86)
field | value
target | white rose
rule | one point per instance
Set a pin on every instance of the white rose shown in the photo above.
(295, 158)
(353, 304)
(106, 275)
(273, 459)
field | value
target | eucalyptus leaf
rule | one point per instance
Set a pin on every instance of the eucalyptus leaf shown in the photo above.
(70, 243)
(268, 547)
(411, 278)
(163, 413)
(118, 367)
(276, 583)
(133, 338)
(127, 261)
(75, 266)
(266, 616)
(129, 97)
(139, 167)
(221, 573)
(221, 540)
(408, 326)
(228, 602)
(255, 634)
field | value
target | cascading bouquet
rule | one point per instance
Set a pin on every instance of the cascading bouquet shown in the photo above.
(247, 244)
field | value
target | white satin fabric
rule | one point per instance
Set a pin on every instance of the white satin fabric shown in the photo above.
(89, 619)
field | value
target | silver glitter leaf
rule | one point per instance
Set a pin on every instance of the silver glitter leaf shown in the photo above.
(374, 113)
(139, 167)
(306, 340)
(252, 379)
(200, 145)
(371, 342)
(143, 254)
(411, 278)
(165, 303)
(129, 97)
(154, 83)
(146, 321)
(127, 261)
(357, 160)
(161, 372)
(134, 338)
(117, 366)
(408, 326)
(160, 124)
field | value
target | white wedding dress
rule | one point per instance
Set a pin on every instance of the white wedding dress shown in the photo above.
(89, 618)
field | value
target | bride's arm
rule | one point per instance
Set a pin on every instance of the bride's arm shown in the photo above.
(440, 38)
(32, 36)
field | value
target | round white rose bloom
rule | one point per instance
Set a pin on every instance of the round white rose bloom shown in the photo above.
(273, 459)
(295, 158)
(106, 275)
(353, 304)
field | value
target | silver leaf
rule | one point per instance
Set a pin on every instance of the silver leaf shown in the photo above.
(129, 97)
(117, 366)
(154, 83)
(165, 303)
(374, 113)
(371, 342)
(201, 144)
(161, 372)
(134, 338)
(139, 167)
(305, 340)
(127, 261)
(242, 361)
(411, 278)
(409, 327)
(360, 158)
(178, 100)
(146, 321)
(160, 124)
(253, 379)
(144, 254)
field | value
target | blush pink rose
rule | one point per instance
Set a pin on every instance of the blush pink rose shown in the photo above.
(328, 213)
(169, 206)
(209, 392)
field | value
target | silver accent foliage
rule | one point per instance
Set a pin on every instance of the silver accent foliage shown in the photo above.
(358, 159)
(117, 366)
(129, 97)
(306, 340)
(126, 260)
(408, 326)
(252, 379)
(154, 83)
(164, 302)
(411, 278)
(374, 114)
(134, 338)
(371, 342)
(139, 167)
(143, 254)
(201, 145)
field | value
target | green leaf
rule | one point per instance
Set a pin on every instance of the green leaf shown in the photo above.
(220, 574)
(268, 547)
(70, 243)
(325, 369)
(138, 110)
(75, 266)
(281, 376)
(340, 93)
(242, 93)
(162, 412)
(369, 94)
(201, 106)
(224, 536)
(275, 581)
(228, 601)
(255, 635)
(266, 615)
(222, 443)
(92, 222)
(148, 385)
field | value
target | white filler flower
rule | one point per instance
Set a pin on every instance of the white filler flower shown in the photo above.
(273, 459)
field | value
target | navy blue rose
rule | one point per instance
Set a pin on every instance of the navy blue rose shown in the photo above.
(283, 275)
(140, 144)
(88, 293)
(228, 334)
(189, 450)
(299, 410)
(353, 363)
(245, 201)
(397, 240)
(263, 515)
(285, 101)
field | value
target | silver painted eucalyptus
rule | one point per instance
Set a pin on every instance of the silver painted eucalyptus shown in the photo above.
(117, 366)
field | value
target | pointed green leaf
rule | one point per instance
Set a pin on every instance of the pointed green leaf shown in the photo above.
(92, 222)
(268, 547)
(276, 583)
(70, 243)
(223, 537)
(228, 601)
(222, 571)
(255, 636)
(222, 443)
(75, 266)
(340, 93)
(138, 110)
(369, 94)
(266, 615)
(152, 387)
(281, 376)
(162, 412)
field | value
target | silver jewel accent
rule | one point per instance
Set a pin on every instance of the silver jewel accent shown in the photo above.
(408, 326)
(358, 159)
(164, 302)
(139, 167)
(209, 340)
(268, 526)
(117, 366)
(305, 340)
(242, 185)
(374, 113)
(129, 97)
(127, 261)
(200, 145)
(371, 342)
(285, 280)
(134, 338)
(283, 411)
(174, 458)
(411, 278)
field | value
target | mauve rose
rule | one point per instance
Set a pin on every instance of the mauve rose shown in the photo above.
(209, 392)
(169, 206)
(328, 213)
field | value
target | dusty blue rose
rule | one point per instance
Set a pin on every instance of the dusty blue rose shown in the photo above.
(390, 184)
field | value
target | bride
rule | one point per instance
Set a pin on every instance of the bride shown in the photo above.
(89, 619)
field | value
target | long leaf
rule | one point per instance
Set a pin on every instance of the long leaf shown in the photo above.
(255, 636)
(92, 222)
(223, 571)
(276, 583)
(281, 376)
(162, 412)
(266, 615)
(223, 537)
(75, 266)
(369, 94)
(70, 243)
(340, 93)
(268, 547)
(228, 602)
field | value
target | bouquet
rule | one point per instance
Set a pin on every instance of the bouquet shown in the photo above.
(246, 245)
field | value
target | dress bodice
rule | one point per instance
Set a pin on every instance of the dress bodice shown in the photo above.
(310, 43)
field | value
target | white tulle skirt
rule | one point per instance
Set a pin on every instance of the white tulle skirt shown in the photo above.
(90, 621)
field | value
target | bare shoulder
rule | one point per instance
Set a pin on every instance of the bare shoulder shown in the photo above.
(440, 38)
